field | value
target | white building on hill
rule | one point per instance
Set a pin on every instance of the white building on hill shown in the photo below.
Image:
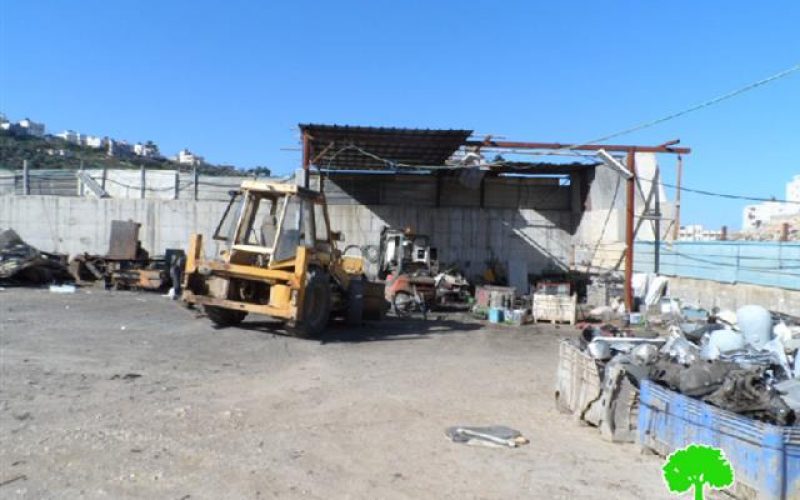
(145, 150)
(761, 214)
(186, 157)
(94, 141)
(793, 189)
(29, 127)
(70, 136)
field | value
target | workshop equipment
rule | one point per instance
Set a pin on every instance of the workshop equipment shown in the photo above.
(410, 267)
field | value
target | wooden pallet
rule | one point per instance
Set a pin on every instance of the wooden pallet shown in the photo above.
(555, 308)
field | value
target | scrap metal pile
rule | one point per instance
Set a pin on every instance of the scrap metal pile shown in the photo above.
(126, 265)
(746, 362)
(21, 263)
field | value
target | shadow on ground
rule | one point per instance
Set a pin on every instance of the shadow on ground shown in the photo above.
(390, 328)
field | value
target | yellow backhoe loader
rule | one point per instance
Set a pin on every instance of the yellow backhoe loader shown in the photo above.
(279, 259)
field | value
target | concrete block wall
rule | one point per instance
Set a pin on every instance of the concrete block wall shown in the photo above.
(708, 294)
(467, 237)
(76, 225)
(464, 236)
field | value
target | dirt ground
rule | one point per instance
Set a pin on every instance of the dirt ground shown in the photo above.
(127, 395)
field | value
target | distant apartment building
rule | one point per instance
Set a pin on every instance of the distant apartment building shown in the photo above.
(762, 214)
(119, 148)
(696, 232)
(27, 126)
(148, 150)
(70, 136)
(793, 189)
(94, 141)
(23, 127)
(186, 157)
(79, 139)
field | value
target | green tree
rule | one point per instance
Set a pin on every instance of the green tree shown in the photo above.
(696, 466)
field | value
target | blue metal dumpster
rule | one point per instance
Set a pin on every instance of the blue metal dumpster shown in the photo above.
(765, 458)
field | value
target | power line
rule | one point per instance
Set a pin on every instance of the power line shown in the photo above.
(731, 196)
(691, 109)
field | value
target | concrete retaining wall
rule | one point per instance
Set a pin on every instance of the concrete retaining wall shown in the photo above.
(731, 296)
(76, 225)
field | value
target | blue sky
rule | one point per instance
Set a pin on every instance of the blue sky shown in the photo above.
(232, 79)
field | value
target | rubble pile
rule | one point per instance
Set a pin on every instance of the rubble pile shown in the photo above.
(745, 362)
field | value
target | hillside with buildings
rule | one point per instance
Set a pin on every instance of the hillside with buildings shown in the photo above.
(28, 140)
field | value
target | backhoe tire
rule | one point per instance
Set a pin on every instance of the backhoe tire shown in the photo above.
(355, 302)
(316, 305)
(224, 317)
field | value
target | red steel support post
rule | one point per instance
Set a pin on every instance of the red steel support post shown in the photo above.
(630, 208)
(677, 224)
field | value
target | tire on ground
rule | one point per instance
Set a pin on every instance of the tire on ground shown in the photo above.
(403, 303)
(224, 317)
(316, 305)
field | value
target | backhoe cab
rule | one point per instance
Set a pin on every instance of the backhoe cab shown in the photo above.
(279, 259)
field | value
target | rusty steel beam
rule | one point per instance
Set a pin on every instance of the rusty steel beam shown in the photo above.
(306, 151)
(665, 148)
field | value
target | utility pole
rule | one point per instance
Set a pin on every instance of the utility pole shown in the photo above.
(196, 182)
(81, 185)
(142, 181)
(26, 178)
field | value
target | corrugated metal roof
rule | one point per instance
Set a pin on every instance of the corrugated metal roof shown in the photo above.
(352, 147)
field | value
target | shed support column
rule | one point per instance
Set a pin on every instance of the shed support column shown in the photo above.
(438, 189)
(575, 182)
(306, 157)
(629, 229)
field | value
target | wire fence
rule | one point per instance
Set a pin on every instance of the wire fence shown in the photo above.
(120, 183)
(775, 264)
